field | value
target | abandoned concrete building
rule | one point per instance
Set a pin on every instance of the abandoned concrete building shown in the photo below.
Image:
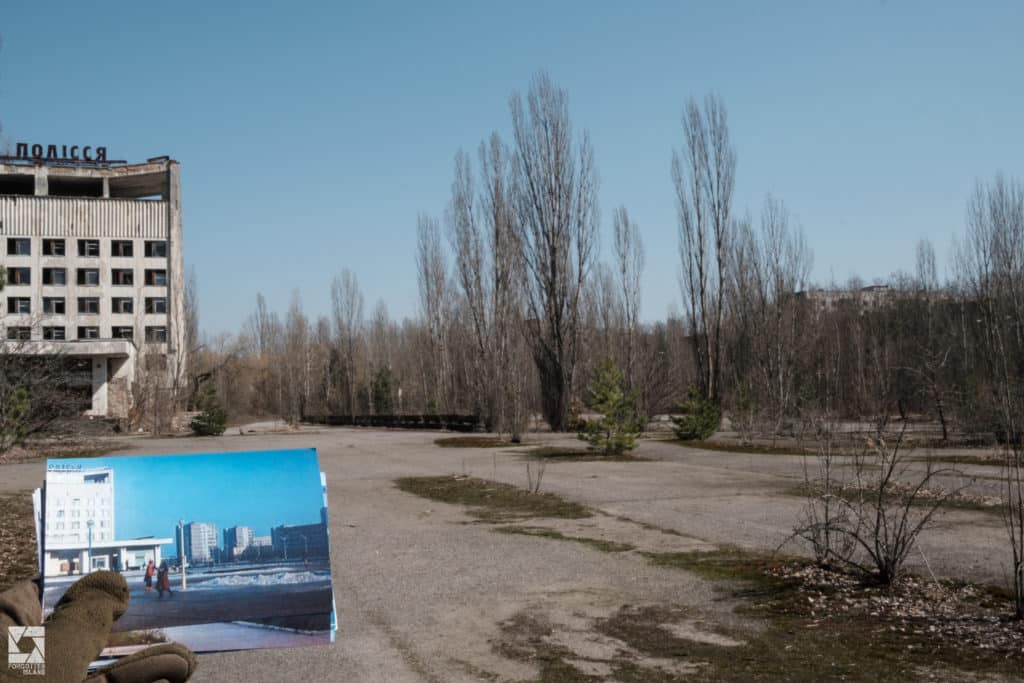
(92, 256)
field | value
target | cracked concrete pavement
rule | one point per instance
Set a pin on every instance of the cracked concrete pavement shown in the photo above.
(422, 591)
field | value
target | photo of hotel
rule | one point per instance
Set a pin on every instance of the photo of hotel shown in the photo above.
(244, 566)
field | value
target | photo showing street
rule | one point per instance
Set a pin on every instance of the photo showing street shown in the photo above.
(235, 542)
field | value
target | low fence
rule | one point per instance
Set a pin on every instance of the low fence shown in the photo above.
(455, 423)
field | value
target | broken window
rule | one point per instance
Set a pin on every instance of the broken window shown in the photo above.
(89, 332)
(19, 276)
(156, 249)
(88, 304)
(123, 332)
(122, 305)
(55, 276)
(156, 335)
(19, 246)
(19, 304)
(156, 278)
(121, 248)
(53, 248)
(55, 333)
(19, 333)
(156, 304)
(88, 247)
(89, 277)
(53, 305)
(122, 276)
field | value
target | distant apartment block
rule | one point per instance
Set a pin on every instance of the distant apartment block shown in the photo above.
(201, 543)
(236, 540)
(294, 541)
(94, 269)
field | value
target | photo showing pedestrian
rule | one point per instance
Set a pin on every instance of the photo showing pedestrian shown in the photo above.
(150, 570)
(163, 580)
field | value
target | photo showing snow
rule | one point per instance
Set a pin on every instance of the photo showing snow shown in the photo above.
(221, 551)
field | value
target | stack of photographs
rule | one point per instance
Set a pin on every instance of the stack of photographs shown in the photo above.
(221, 551)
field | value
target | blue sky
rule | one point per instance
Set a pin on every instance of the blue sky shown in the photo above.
(256, 489)
(311, 135)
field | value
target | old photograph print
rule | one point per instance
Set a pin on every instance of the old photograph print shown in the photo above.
(221, 551)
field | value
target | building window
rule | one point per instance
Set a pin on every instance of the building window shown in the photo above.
(88, 333)
(88, 247)
(156, 278)
(157, 335)
(19, 333)
(53, 305)
(55, 276)
(122, 276)
(122, 333)
(156, 304)
(54, 333)
(19, 246)
(53, 248)
(156, 249)
(121, 248)
(88, 304)
(19, 304)
(19, 276)
(89, 276)
(122, 305)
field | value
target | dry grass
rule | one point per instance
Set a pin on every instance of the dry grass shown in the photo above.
(472, 442)
(18, 558)
(491, 501)
(749, 449)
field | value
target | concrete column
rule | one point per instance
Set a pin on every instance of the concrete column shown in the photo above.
(99, 387)
(83, 562)
(42, 181)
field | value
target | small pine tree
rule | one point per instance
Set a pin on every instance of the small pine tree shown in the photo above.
(214, 419)
(381, 390)
(617, 428)
(700, 417)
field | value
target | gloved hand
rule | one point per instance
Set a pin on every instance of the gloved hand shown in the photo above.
(78, 629)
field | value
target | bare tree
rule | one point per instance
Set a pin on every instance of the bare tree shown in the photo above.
(347, 309)
(991, 272)
(38, 387)
(432, 273)
(703, 176)
(296, 361)
(555, 199)
(629, 260)
(766, 272)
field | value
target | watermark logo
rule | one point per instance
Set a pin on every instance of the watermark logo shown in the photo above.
(33, 662)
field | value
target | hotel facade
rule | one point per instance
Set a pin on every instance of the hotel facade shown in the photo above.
(92, 254)
(80, 531)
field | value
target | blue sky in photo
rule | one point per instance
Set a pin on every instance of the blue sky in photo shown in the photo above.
(259, 489)
(312, 134)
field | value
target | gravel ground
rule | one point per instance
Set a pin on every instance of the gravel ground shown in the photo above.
(422, 591)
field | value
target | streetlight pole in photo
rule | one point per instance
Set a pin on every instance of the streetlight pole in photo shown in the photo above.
(183, 559)
(88, 565)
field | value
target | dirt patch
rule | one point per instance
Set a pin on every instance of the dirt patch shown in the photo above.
(750, 449)
(565, 454)
(472, 442)
(823, 624)
(61, 449)
(612, 534)
(544, 532)
(595, 644)
(18, 558)
(900, 493)
(491, 501)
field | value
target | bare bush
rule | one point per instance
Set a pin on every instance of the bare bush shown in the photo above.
(871, 518)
